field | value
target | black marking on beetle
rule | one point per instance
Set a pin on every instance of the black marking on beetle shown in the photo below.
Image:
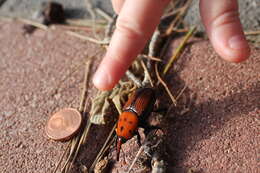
(121, 128)
(125, 119)
(130, 131)
(130, 122)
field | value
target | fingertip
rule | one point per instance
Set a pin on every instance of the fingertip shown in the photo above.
(110, 70)
(237, 58)
(102, 80)
(221, 20)
(100, 85)
(231, 48)
(239, 47)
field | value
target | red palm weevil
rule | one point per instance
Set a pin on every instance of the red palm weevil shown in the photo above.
(136, 110)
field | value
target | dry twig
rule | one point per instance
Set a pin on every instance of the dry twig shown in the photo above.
(252, 32)
(109, 29)
(76, 142)
(178, 18)
(147, 76)
(33, 23)
(82, 109)
(62, 157)
(92, 12)
(165, 85)
(178, 50)
(151, 57)
(103, 149)
(179, 95)
(104, 14)
(141, 149)
(85, 22)
(154, 43)
(85, 87)
(87, 38)
(131, 76)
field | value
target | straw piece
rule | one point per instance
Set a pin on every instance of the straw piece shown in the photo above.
(165, 85)
(178, 50)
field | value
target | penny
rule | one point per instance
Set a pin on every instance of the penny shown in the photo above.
(64, 124)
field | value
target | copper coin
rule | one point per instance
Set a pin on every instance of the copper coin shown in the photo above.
(63, 124)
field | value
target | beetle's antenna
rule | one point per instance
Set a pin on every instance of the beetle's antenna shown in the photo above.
(118, 147)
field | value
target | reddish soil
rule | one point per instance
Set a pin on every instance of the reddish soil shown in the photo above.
(40, 74)
(219, 131)
(214, 128)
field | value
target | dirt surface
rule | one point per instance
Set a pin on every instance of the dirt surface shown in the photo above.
(40, 74)
(218, 132)
(213, 129)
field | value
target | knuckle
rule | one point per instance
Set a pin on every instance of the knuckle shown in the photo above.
(129, 28)
(226, 18)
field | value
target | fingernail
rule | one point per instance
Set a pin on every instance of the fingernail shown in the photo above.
(102, 79)
(237, 42)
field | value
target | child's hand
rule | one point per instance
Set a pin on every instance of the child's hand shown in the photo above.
(138, 19)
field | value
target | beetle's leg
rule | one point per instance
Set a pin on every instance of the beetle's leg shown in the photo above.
(138, 139)
(124, 161)
(144, 124)
(162, 110)
(148, 129)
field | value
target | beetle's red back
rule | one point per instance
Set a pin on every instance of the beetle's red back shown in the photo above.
(140, 100)
(127, 125)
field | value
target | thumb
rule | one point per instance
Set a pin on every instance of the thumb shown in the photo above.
(221, 20)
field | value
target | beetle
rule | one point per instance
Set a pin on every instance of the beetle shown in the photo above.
(135, 111)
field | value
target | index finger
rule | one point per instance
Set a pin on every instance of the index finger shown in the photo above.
(135, 24)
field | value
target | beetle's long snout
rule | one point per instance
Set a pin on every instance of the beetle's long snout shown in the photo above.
(118, 147)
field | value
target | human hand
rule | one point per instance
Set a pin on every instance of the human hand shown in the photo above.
(134, 28)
